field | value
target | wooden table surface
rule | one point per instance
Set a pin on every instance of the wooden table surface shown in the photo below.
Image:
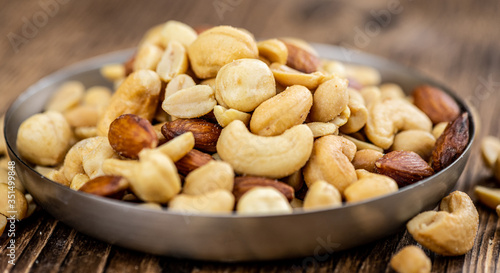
(455, 42)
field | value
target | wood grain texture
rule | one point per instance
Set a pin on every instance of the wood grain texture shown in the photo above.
(455, 42)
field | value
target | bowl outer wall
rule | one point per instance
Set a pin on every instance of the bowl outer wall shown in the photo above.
(228, 238)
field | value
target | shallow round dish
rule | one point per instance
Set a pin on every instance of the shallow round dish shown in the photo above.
(228, 237)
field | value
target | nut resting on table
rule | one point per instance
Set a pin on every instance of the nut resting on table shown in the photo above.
(216, 122)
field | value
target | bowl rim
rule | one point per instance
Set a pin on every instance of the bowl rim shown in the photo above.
(94, 63)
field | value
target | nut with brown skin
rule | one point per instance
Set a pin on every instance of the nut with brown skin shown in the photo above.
(205, 133)
(452, 143)
(191, 161)
(405, 167)
(300, 59)
(107, 186)
(245, 183)
(129, 134)
(435, 103)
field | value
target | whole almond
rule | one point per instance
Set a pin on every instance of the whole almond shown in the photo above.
(300, 59)
(110, 186)
(452, 143)
(405, 167)
(435, 103)
(129, 134)
(192, 161)
(205, 133)
(245, 183)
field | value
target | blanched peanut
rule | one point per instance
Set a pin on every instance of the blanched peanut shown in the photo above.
(219, 46)
(113, 72)
(44, 139)
(191, 102)
(361, 145)
(365, 159)
(174, 61)
(363, 74)
(153, 179)
(225, 116)
(82, 116)
(288, 76)
(320, 129)
(369, 185)
(209, 177)
(263, 200)
(273, 116)
(391, 91)
(488, 196)
(333, 67)
(85, 132)
(420, 142)
(138, 95)
(97, 96)
(244, 84)
(17, 209)
(330, 99)
(331, 161)
(179, 32)
(320, 195)
(179, 82)
(148, 56)
(411, 259)
(78, 181)
(359, 113)
(66, 97)
(450, 231)
(342, 119)
(273, 50)
(217, 201)
(388, 117)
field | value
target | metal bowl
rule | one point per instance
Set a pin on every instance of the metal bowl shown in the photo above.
(228, 237)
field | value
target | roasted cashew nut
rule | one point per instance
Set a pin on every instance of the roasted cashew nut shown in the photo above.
(450, 231)
(386, 118)
(275, 157)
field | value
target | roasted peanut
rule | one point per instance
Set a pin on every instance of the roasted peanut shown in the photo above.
(488, 196)
(411, 259)
(391, 91)
(225, 116)
(85, 132)
(97, 96)
(288, 76)
(191, 102)
(217, 47)
(244, 84)
(179, 82)
(179, 32)
(361, 145)
(217, 201)
(113, 72)
(365, 159)
(212, 176)
(263, 200)
(147, 58)
(490, 149)
(273, 50)
(420, 142)
(67, 96)
(173, 62)
(320, 195)
(333, 67)
(320, 129)
(363, 74)
(342, 119)
(330, 99)
(369, 185)
(331, 161)
(273, 116)
(82, 116)
(138, 95)
(44, 139)
(371, 95)
(388, 117)
(275, 157)
(178, 147)
(450, 231)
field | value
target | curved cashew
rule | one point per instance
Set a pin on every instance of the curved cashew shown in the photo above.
(153, 179)
(452, 230)
(275, 157)
(86, 157)
(386, 118)
(273, 116)
(331, 161)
